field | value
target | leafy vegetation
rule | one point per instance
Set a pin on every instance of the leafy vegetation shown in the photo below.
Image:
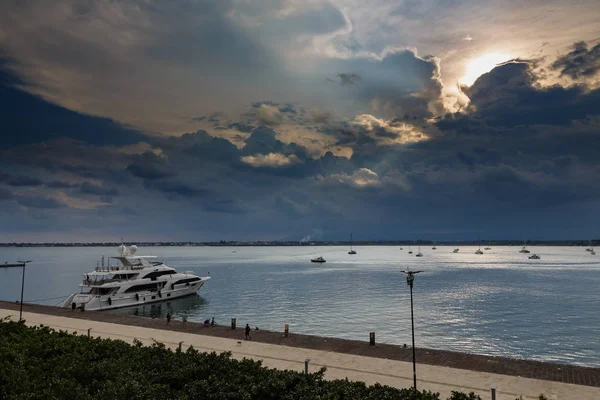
(40, 363)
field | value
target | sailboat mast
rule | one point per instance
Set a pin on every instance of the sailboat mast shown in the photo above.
(350, 241)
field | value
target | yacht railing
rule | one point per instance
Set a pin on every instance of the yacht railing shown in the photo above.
(118, 268)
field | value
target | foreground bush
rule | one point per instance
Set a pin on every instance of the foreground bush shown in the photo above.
(40, 363)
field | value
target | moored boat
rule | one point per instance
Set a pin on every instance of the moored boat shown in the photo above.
(135, 280)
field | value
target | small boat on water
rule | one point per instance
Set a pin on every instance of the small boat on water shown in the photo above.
(455, 250)
(434, 248)
(135, 281)
(524, 248)
(419, 254)
(479, 249)
(487, 248)
(534, 257)
(318, 260)
(351, 251)
(409, 250)
(591, 248)
(400, 248)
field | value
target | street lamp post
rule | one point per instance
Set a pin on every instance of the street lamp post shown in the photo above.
(410, 277)
(22, 265)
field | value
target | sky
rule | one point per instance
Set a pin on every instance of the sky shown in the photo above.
(299, 119)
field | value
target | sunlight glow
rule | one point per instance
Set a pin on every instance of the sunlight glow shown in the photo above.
(482, 65)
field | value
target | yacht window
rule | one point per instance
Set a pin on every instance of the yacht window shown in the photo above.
(101, 291)
(156, 274)
(186, 280)
(139, 288)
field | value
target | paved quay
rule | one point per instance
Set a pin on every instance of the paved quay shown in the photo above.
(354, 360)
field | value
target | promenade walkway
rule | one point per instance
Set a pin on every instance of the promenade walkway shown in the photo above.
(396, 373)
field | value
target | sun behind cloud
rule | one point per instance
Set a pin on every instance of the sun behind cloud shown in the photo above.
(481, 65)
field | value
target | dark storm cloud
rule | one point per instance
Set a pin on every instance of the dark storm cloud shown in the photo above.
(581, 62)
(398, 83)
(202, 145)
(517, 146)
(149, 166)
(148, 172)
(28, 119)
(60, 185)
(263, 140)
(5, 194)
(90, 188)
(241, 127)
(19, 180)
(347, 79)
(171, 187)
(39, 202)
(508, 96)
(24, 181)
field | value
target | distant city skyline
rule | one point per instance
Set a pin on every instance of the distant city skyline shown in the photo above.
(275, 120)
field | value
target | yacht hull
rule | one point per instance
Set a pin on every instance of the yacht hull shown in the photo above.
(120, 300)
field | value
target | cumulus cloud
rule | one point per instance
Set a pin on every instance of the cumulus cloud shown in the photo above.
(267, 114)
(318, 156)
(361, 178)
(271, 160)
(389, 132)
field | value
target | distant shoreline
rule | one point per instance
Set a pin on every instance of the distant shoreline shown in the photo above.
(576, 243)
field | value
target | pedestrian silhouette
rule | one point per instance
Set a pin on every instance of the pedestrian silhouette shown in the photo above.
(169, 318)
(248, 332)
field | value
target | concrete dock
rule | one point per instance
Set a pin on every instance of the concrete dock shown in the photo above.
(391, 365)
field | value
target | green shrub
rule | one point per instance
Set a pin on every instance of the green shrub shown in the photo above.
(40, 363)
(462, 396)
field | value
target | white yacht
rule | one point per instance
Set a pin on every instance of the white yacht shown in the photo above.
(456, 250)
(135, 281)
(534, 257)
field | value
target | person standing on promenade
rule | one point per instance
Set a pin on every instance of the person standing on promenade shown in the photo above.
(184, 320)
(248, 332)
(168, 318)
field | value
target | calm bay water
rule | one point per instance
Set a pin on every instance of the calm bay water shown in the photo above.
(499, 303)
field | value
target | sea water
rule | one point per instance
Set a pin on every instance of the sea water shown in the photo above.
(498, 303)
